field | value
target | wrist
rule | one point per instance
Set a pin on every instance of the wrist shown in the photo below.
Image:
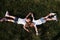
(37, 32)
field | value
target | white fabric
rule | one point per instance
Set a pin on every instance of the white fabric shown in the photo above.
(21, 21)
(52, 13)
(39, 21)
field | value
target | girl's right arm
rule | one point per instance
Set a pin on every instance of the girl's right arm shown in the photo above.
(25, 28)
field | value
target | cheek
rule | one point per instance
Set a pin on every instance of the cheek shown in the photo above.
(27, 21)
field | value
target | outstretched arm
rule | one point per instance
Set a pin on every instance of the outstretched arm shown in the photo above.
(25, 28)
(30, 14)
(36, 30)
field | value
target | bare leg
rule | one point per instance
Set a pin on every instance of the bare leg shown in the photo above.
(51, 14)
(9, 20)
(7, 15)
(50, 19)
(11, 16)
(5, 19)
(1, 19)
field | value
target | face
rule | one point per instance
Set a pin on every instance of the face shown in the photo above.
(28, 20)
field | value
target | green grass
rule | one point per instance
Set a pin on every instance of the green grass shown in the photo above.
(11, 31)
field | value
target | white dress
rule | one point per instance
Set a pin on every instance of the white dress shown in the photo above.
(39, 21)
(21, 21)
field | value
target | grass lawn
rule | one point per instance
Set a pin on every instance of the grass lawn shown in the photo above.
(20, 8)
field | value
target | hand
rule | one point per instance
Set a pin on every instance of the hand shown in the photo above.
(27, 30)
(32, 15)
(28, 15)
(37, 33)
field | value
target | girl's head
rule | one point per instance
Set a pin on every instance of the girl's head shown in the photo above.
(29, 19)
(30, 24)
